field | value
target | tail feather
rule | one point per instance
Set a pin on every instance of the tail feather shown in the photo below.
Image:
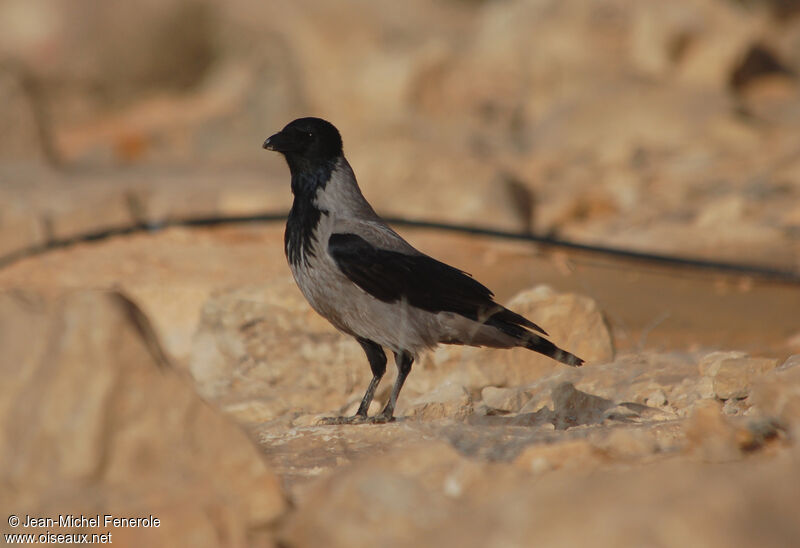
(508, 316)
(506, 322)
(543, 346)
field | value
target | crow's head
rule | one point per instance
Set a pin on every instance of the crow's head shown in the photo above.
(307, 141)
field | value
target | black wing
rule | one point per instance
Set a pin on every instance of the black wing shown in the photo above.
(421, 280)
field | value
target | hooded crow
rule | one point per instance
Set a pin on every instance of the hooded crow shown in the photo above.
(370, 283)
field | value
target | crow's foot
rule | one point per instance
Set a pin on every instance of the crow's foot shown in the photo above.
(355, 419)
(380, 418)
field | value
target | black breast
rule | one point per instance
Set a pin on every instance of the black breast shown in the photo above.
(299, 236)
(307, 179)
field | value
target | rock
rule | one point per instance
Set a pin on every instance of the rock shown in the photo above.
(703, 389)
(504, 399)
(448, 400)
(710, 363)
(574, 322)
(558, 493)
(636, 412)
(657, 398)
(733, 374)
(776, 394)
(628, 381)
(118, 428)
(265, 342)
(173, 310)
(573, 407)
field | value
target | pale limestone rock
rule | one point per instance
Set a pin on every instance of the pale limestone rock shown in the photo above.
(574, 322)
(734, 378)
(504, 399)
(733, 373)
(710, 363)
(656, 398)
(629, 380)
(265, 342)
(93, 406)
(448, 400)
(572, 407)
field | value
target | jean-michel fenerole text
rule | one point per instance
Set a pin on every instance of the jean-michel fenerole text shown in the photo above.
(96, 520)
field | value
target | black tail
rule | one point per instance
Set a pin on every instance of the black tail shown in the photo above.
(508, 322)
(543, 346)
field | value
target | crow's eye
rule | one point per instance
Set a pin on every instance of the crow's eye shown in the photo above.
(310, 134)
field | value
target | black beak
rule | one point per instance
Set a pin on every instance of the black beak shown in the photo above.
(280, 142)
(269, 143)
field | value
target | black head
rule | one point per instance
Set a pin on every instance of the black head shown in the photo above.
(306, 142)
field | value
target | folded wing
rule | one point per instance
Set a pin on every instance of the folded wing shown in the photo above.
(422, 281)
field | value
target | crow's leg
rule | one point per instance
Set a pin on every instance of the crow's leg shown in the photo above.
(403, 361)
(377, 362)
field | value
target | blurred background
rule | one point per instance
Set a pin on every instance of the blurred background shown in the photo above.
(667, 127)
(643, 125)
(652, 125)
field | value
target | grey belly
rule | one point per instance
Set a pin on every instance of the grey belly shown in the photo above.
(350, 309)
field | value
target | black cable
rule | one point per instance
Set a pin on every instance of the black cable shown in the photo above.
(775, 274)
(772, 274)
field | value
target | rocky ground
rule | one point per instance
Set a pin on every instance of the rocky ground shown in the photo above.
(662, 441)
(179, 372)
